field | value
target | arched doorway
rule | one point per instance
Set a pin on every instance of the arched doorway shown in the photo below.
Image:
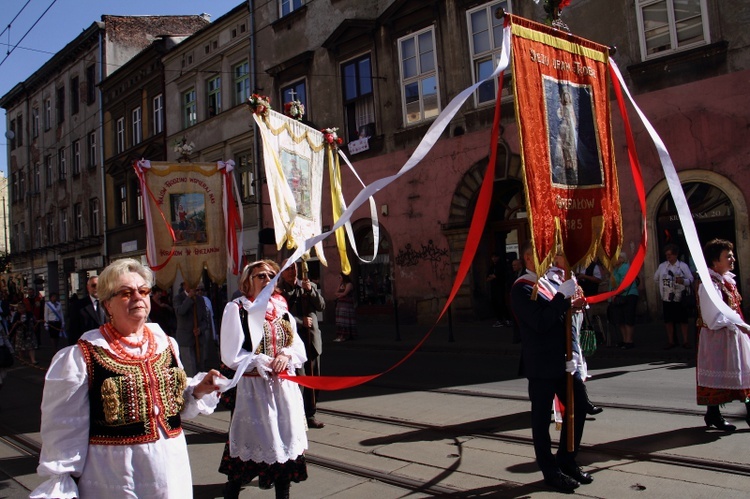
(373, 280)
(719, 210)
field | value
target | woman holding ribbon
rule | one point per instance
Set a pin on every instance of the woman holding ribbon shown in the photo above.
(113, 403)
(267, 433)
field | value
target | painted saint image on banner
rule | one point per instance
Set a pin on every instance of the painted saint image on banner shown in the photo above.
(297, 172)
(188, 217)
(573, 145)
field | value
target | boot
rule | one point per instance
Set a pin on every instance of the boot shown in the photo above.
(282, 489)
(714, 418)
(747, 406)
(232, 489)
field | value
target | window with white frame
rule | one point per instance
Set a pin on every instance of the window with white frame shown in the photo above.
(48, 173)
(47, 114)
(247, 177)
(158, 105)
(63, 225)
(485, 45)
(289, 6)
(62, 167)
(122, 205)
(419, 82)
(241, 83)
(136, 122)
(359, 101)
(77, 157)
(189, 117)
(667, 26)
(94, 214)
(35, 122)
(213, 102)
(295, 91)
(120, 134)
(78, 220)
(92, 149)
(138, 201)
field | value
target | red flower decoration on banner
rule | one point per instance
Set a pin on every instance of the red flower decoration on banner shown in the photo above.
(331, 137)
(259, 104)
(294, 109)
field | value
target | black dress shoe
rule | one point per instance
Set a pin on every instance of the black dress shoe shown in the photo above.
(718, 422)
(577, 474)
(314, 423)
(593, 410)
(561, 482)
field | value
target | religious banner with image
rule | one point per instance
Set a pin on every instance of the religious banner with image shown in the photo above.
(188, 208)
(563, 112)
(293, 155)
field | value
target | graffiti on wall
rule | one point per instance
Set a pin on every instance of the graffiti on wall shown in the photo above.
(435, 256)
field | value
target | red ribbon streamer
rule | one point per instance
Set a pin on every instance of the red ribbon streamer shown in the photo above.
(233, 221)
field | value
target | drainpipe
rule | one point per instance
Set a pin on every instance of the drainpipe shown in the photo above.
(101, 149)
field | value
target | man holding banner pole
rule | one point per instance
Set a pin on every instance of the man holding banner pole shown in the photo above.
(541, 309)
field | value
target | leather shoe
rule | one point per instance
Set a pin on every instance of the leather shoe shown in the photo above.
(593, 410)
(718, 422)
(314, 423)
(561, 482)
(576, 473)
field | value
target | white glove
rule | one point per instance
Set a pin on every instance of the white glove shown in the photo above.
(567, 288)
(570, 366)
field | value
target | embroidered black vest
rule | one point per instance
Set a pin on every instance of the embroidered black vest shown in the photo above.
(123, 395)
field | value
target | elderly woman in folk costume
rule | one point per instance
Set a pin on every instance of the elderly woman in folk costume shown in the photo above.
(113, 403)
(267, 433)
(723, 367)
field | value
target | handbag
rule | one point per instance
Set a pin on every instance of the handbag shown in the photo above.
(587, 337)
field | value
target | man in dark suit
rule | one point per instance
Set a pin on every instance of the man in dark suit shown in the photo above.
(88, 313)
(305, 301)
(192, 323)
(542, 323)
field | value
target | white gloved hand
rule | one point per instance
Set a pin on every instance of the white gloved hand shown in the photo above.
(570, 366)
(567, 288)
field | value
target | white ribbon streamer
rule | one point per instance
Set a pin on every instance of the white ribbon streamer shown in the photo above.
(373, 218)
(683, 209)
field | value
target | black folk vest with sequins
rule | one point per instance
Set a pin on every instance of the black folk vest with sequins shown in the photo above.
(124, 393)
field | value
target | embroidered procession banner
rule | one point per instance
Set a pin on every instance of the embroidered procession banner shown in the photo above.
(563, 113)
(293, 156)
(186, 220)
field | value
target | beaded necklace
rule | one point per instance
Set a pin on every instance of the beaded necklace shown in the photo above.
(115, 340)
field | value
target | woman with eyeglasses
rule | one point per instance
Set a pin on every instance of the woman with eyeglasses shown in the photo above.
(267, 433)
(113, 403)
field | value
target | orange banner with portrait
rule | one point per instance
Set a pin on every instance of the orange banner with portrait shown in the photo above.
(563, 113)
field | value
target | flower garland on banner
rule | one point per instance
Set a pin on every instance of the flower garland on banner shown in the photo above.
(259, 104)
(295, 110)
(330, 136)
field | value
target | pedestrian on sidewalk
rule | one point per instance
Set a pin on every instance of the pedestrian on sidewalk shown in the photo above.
(723, 367)
(267, 433)
(674, 279)
(22, 331)
(54, 322)
(622, 309)
(346, 318)
(541, 309)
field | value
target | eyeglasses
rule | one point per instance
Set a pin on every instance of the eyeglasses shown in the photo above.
(128, 293)
(264, 275)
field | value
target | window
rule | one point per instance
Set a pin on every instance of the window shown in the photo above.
(241, 83)
(158, 114)
(14, 186)
(247, 176)
(78, 220)
(63, 225)
(188, 109)
(77, 157)
(35, 122)
(138, 201)
(21, 185)
(47, 114)
(60, 105)
(75, 100)
(48, 170)
(359, 104)
(92, 149)
(62, 169)
(214, 96)
(13, 134)
(419, 83)
(19, 134)
(122, 205)
(485, 45)
(137, 135)
(90, 84)
(120, 134)
(94, 216)
(37, 177)
(50, 229)
(667, 26)
(295, 91)
(288, 6)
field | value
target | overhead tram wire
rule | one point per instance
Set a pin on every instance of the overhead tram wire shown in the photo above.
(28, 31)
(14, 19)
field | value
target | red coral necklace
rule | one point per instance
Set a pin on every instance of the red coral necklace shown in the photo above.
(115, 341)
